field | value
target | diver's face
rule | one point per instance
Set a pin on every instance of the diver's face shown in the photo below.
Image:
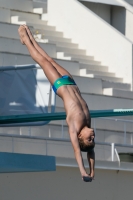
(88, 135)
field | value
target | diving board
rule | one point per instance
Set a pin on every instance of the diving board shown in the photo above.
(17, 162)
(61, 116)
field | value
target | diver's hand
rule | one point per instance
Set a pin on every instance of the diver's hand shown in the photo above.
(87, 178)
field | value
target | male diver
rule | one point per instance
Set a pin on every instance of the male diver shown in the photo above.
(78, 116)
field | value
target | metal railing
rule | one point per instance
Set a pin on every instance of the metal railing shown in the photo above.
(113, 146)
(125, 122)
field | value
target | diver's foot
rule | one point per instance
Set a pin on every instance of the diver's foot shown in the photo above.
(24, 38)
(29, 33)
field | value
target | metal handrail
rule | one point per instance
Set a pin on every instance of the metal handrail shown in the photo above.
(112, 119)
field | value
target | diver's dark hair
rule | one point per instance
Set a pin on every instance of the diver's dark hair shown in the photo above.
(85, 147)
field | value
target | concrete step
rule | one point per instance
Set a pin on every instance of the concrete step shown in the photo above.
(45, 16)
(94, 67)
(88, 85)
(107, 78)
(4, 30)
(63, 44)
(4, 15)
(39, 10)
(82, 60)
(8, 59)
(52, 41)
(41, 26)
(102, 102)
(27, 15)
(119, 85)
(72, 67)
(14, 31)
(14, 46)
(39, 7)
(118, 93)
(75, 51)
(26, 6)
(84, 72)
(76, 57)
(57, 39)
(69, 56)
(47, 33)
(28, 20)
(93, 85)
(61, 55)
(17, 20)
(91, 62)
(39, 4)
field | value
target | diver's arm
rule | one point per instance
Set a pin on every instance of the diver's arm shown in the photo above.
(78, 155)
(91, 161)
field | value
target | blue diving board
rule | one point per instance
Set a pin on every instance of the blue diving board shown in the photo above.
(61, 116)
(17, 162)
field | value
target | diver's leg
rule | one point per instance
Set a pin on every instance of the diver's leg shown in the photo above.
(49, 70)
(59, 68)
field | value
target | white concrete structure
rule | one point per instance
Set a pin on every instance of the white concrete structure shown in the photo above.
(100, 60)
(107, 51)
(108, 2)
(130, 1)
(117, 13)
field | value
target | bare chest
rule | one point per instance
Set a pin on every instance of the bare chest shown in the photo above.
(76, 118)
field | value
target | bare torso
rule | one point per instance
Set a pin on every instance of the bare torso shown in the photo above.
(76, 108)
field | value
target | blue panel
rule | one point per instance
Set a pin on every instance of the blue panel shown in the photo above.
(15, 162)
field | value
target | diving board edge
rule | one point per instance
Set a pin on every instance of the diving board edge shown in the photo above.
(61, 116)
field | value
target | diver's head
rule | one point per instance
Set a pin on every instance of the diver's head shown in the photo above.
(86, 139)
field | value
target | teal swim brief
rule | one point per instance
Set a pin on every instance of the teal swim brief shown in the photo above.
(64, 80)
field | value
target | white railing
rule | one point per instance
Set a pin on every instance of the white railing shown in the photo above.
(124, 122)
(49, 135)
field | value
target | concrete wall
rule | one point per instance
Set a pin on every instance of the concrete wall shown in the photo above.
(129, 25)
(114, 15)
(118, 18)
(129, 1)
(102, 10)
(66, 184)
(128, 18)
(109, 2)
